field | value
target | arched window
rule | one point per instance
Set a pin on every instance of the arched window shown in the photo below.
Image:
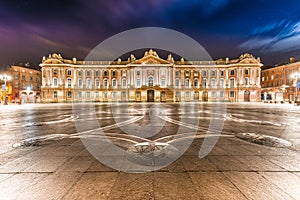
(196, 82)
(114, 83)
(79, 73)
(105, 73)
(204, 84)
(177, 82)
(222, 83)
(150, 81)
(88, 73)
(163, 82)
(55, 82)
(69, 82)
(80, 83)
(187, 82)
(123, 82)
(246, 81)
(105, 83)
(213, 82)
(88, 83)
(97, 83)
(232, 82)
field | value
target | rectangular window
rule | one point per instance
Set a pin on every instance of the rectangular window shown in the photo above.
(97, 94)
(88, 95)
(232, 72)
(55, 94)
(79, 94)
(203, 73)
(231, 94)
(69, 82)
(31, 78)
(246, 71)
(23, 78)
(16, 85)
(177, 74)
(69, 94)
(123, 95)
(138, 73)
(187, 94)
(69, 72)
(163, 72)
(138, 95)
(213, 73)
(55, 82)
(213, 94)
(195, 73)
(105, 95)
(222, 94)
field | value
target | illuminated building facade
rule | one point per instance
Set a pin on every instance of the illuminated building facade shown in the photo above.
(150, 79)
(279, 83)
(25, 84)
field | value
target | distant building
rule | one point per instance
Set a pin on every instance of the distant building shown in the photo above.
(25, 84)
(279, 83)
(151, 79)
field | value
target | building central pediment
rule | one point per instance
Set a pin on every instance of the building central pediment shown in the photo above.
(150, 58)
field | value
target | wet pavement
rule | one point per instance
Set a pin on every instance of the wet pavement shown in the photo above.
(43, 154)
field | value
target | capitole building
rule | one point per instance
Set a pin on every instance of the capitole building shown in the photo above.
(151, 79)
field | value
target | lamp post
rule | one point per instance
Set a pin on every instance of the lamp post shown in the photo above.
(5, 78)
(295, 77)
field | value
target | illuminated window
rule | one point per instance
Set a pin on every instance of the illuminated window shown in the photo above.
(163, 82)
(114, 83)
(123, 82)
(55, 82)
(80, 83)
(88, 83)
(196, 82)
(97, 82)
(187, 82)
(177, 82)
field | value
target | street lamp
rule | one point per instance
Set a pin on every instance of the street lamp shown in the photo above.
(295, 76)
(5, 78)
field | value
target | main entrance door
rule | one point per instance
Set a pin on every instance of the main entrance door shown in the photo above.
(246, 96)
(150, 95)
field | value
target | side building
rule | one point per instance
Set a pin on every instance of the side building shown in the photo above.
(279, 83)
(150, 79)
(25, 84)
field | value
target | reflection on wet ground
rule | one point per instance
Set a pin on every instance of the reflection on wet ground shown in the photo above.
(256, 155)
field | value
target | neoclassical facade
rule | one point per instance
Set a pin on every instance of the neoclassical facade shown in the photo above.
(150, 79)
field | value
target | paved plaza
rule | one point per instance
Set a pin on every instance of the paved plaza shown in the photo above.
(44, 154)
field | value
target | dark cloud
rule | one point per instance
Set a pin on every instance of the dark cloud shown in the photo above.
(32, 29)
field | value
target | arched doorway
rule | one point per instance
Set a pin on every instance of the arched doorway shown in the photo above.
(31, 97)
(163, 96)
(24, 97)
(246, 96)
(205, 96)
(150, 96)
(196, 96)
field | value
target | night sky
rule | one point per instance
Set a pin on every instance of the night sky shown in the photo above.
(29, 30)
